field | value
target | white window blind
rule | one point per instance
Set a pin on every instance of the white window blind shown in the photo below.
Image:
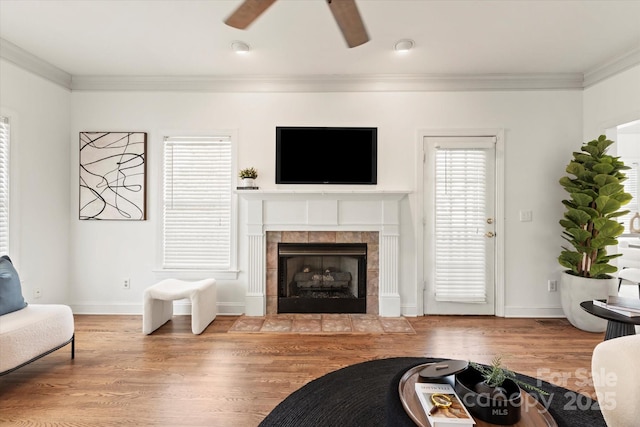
(197, 203)
(631, 187)
(460, 215)
(4, 185)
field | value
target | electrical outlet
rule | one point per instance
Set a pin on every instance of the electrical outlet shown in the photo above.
(37, 293)
(552, 285)
(126, 284)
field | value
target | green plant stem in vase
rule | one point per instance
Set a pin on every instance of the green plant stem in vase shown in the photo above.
(494, 377)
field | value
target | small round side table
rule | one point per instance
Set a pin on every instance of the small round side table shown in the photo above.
(618, 325)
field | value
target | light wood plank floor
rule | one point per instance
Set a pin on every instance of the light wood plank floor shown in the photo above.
(175, 378)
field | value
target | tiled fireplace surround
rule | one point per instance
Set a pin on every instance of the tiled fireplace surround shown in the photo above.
(368, 237)
(370, 217)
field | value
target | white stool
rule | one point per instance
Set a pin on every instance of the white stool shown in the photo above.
(158, 303)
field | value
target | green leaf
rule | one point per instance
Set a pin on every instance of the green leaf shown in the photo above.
(599, 223)
(590, 211)
(610, 189)
(606, 205)
(603, 180)
(567, 223)
(602, 269)
(618, 214)
(579, 234)
(623, 198)
(581, 157)
(610, 257)
(591, 149)
(602, 242)
(578, 216)
(603, 168)
(574, 168)
(570, 260)
(581, 199)
(568, 183)
(611, 229)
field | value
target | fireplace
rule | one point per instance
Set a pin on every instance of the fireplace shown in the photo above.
(322, 278)
(323, 216)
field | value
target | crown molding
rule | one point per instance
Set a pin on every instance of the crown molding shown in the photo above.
(612, 67)
(27, 61)
(330, 83)
(320, 83)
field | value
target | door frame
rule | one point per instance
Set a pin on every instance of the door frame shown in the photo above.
(421, 215)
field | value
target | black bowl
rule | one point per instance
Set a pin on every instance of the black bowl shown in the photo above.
(483, 407)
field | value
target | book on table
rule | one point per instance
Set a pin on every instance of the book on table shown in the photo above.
(442, 405)
(626, 306)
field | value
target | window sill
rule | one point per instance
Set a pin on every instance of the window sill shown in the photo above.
(196, 274)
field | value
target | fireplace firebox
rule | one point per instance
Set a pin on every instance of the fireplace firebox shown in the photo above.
(322, 277)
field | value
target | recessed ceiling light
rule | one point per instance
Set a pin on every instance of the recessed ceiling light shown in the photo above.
(404, 45)
(240, 47)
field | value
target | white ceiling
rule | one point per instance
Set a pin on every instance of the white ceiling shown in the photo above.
(300, 37)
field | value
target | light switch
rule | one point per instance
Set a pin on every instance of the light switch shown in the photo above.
(526, 216)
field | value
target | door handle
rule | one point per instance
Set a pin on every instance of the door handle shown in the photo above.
(489, 234)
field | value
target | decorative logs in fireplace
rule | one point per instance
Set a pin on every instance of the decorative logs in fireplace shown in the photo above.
(329, 279)
(322, 277)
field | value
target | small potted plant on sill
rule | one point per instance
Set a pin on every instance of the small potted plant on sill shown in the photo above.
(248, 175)
(492, 393)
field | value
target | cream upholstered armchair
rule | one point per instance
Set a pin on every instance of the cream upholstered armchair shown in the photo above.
(616, 379)
(629, 262)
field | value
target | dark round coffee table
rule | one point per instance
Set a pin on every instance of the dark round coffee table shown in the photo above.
(533, 413)
(618, 325)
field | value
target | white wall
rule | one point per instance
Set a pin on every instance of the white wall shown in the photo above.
(83, 263)
(40, 172)
(612, 102)
(542, 128)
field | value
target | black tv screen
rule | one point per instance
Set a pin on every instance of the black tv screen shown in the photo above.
(326, 155)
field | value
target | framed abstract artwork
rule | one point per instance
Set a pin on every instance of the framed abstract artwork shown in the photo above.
(113, 175)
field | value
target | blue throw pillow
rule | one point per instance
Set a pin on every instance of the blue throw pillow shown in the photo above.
(11, 298)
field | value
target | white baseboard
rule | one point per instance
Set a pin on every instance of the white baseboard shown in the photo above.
(237, 309)
(179, 308)
(515, 311)
(409, 310)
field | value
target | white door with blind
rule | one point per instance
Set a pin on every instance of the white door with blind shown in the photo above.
(460, 225)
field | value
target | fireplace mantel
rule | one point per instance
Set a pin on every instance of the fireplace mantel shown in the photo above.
(322, 210)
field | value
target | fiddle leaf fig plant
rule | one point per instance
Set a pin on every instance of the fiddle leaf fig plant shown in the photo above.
(596, 195)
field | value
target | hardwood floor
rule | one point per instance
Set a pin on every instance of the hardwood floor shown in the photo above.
(174, 378)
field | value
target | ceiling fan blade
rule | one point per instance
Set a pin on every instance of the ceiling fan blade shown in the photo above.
(349, 20)
(247, 12)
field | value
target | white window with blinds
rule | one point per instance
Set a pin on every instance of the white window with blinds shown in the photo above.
(198, 212)
(4, 185)
(461, 195)
(631, 187)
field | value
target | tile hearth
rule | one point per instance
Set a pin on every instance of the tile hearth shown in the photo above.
(322, 324)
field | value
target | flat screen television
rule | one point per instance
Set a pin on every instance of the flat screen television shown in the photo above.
(326, 155)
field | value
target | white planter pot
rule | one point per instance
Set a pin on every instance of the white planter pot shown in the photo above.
(575, 289)
(247, 182)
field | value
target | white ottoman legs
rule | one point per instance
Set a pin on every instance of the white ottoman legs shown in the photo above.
(158, 303)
